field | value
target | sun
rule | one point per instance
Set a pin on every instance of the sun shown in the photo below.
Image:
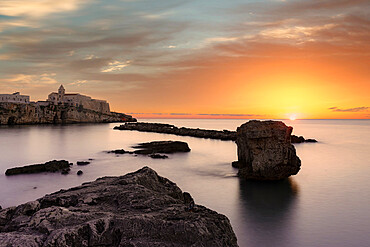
(292, 117)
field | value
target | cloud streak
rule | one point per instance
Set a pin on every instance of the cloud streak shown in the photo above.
(355, 109)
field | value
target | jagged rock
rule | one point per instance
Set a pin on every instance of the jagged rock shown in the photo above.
(172, 129)
(118, 151)
(82, 163)
(12, 113)
(161, 147)
(138, 209)
(50, 166)
(79, 173)
(265, 151)
(158, 156)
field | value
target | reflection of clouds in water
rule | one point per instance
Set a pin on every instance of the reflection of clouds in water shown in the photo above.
(268, 208)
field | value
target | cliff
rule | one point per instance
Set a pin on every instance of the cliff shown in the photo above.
(11, 113)
(138, 209)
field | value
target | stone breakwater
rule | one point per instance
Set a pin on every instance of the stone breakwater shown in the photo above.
(225, 135)
(172, 129)
(11, 113)
(137, 209)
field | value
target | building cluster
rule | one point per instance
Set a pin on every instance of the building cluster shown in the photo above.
(60, 98)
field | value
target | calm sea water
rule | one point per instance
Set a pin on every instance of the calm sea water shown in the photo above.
(326, 204)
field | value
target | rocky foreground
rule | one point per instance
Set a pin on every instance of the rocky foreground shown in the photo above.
(225, 135)
(11, 113)
(265, 151)
(138, 209)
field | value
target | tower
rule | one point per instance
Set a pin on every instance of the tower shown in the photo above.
(61, 92)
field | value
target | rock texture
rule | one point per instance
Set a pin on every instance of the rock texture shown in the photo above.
(265, 151)
(225, 135)
(11, 113)
(165, 147)
(50, 166)
(139, 209)
(172, 129)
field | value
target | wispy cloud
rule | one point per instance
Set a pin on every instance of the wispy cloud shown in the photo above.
(116, 66)
(355, 109)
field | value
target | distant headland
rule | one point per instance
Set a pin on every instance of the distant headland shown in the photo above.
(60, 107)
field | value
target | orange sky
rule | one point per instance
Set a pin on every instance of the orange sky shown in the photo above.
(197, 59)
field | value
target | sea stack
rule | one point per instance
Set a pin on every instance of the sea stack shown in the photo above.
(265, 151)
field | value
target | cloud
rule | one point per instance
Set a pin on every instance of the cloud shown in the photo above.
(356, 109)
(116, 66)
(38, 8)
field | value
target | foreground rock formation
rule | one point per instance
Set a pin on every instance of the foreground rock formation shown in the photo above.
(172, 129)
(265, 151)
(11, 113)
(50, 166)
(138, 209)
(225, 135)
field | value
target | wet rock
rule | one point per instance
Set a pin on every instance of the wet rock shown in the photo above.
(158, 156)
(265, 151)
(182, 131)
(118, 151)
(300, 139)
(161, 147)
(50, 166)
(138, 209)
(82, 163)
(79, 173)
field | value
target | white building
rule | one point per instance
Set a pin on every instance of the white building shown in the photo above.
(15, 98)
(76, 99)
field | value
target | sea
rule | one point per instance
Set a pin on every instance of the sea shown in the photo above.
(326, 204)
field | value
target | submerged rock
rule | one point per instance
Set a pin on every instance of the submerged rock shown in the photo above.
(79, 173)
(265, 151)
(166, 147)
(138, 209)
(158, 156)
(50, 166)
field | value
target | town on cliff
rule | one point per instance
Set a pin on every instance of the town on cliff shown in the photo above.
(60, 107)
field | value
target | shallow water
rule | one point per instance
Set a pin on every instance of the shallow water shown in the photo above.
(326, 204)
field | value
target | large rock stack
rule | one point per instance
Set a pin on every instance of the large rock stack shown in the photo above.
(265, 151)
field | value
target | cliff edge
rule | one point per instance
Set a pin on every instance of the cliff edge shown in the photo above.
(12, 113)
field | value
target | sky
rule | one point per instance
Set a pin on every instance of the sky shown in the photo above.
(193, 59)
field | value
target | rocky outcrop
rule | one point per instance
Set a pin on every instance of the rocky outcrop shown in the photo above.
(265, 151)
(172, 129)
(138, 209)
(62, 166)
(166, 147)
(225, 135)
(300, 139)
(11, 113)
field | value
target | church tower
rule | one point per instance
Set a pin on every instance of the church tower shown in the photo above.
(61, 92)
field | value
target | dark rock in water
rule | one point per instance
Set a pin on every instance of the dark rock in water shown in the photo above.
(182, 131)
(82, 163)
(158, 156)
(79, 172)
(118, 151)
(265, 151)
(0, 207)
(161, 147)
(138, 209)
(300, 139)
(50, 166)
(66, 171)
(91, 159)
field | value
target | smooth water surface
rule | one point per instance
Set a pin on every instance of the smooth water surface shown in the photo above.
(326, 204)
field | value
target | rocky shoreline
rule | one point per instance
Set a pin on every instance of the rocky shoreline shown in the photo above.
(225, 135)
(137, 209)
(12, 114)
